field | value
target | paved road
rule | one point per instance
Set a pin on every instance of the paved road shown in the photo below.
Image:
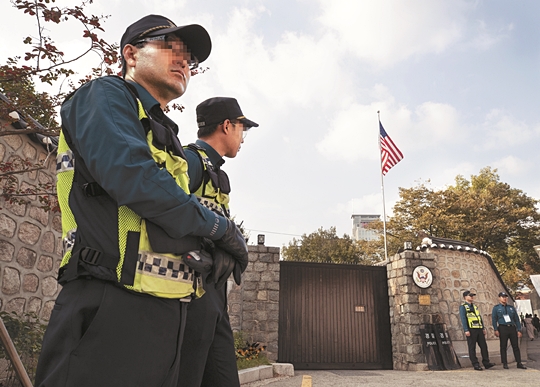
(497, 376)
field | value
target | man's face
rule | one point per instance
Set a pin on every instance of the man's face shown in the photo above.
(469, 298)
(503, 299)
(163, 66)
(236, 138)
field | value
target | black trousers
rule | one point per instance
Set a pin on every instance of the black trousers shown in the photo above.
(208, 358)
(509, 332)
(102, 335)
(477, 336)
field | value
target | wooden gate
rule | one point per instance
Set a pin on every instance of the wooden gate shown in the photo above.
(334, 316)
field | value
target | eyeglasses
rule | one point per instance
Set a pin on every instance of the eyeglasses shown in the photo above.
(175, 44)
(244, 133)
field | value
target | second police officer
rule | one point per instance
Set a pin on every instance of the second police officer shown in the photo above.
(507, 326)
(208, 357)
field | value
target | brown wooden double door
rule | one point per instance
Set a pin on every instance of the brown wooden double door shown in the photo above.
(334, 316)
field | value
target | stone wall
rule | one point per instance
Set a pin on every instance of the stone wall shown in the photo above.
(456, 272)
(30, 238)
(453, 272)
(254, 305)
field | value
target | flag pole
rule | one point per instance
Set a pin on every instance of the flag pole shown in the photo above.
(382, 188)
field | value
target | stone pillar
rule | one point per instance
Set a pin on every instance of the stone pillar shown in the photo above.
(254, 305)
(406, 313)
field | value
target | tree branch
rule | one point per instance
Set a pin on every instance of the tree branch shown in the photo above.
(20, 171)
(46, 132)
(39, 32)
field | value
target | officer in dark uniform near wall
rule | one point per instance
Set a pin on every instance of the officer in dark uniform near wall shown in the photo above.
(208, 358)
(475, 331)
(507, 326)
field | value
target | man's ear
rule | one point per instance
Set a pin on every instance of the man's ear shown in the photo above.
(128, 53)
(226, 126)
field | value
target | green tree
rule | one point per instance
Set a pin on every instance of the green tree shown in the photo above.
(325, 246)
(484, 211)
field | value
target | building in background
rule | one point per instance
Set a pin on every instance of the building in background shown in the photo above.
(359, 232)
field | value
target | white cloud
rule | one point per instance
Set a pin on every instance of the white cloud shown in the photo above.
(447, 176)
(387, 32)
(367, 204)
(296, 68)
(512, 165)
(353, 133)
(437, 122)
(501, 130)
(486, 38)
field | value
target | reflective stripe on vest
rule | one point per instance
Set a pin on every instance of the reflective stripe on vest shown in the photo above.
(209, 195)
(64, 181)
(473, 316)
(160, 275)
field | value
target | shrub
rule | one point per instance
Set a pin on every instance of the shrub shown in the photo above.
(248, 354)
(26, 332)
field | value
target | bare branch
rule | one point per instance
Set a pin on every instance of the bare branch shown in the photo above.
(46, 132)
(20, 171)
(39, 32)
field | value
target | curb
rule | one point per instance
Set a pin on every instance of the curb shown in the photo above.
(265, 372)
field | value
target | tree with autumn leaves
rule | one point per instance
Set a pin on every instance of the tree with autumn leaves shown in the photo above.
(34, 112)
(484, 211)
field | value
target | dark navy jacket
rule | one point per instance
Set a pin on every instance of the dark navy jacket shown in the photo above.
(499, 311)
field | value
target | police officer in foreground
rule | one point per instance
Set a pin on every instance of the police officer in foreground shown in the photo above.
(208, 356)
(507, 326)
(475, 331)
(127, 218)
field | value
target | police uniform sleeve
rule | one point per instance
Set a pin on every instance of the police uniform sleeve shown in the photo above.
(463, 318)
(103, 122)
(516, 320)
(494, 318)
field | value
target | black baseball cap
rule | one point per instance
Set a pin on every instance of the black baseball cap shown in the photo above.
(193, 35)
(503, 294)
(216, 110)
(468, 293)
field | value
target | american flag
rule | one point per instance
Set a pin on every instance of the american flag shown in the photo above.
(390, 154)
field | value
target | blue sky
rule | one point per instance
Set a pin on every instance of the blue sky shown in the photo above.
(457, 83)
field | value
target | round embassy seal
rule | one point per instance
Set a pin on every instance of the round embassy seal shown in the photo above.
(422, 276)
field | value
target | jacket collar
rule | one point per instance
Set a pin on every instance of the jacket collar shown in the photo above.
(214, 157)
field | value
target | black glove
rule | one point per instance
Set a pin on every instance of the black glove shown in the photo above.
(198, 260)
(222, 269)
(237, 274)
(233, 242)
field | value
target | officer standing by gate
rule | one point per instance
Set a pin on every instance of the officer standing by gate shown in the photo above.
(475, 331)
(507, 326)
(208, 357)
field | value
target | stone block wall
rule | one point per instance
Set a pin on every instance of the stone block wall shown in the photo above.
(456, 272)
(30, 238)
(453, 272)
(254, 305)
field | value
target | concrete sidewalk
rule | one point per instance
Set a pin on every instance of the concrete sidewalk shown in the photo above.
(497, 376)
